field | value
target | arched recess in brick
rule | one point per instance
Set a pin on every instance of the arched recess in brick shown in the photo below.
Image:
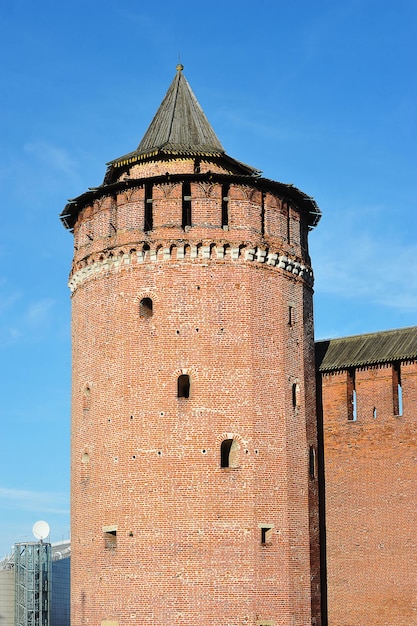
(86, 396)
(146, 308)
(183, 386)
(296, 395)
(229, 453)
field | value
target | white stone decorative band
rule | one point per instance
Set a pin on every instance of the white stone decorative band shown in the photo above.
(217, 252)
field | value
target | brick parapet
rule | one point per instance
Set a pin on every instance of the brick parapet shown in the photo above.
(119, 258)
(252, 216)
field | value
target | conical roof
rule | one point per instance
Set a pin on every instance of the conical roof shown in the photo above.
(180, 124)
(179, 127)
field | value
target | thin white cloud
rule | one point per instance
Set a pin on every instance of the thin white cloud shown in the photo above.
(18, 317)
(8, 300)
(354, 262)
(47, 502)
(52, 157)
(38, 312)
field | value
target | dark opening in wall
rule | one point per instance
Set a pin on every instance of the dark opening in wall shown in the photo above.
(110, 537)
(183, 386)
(266, 534)
(148, 220)
(229, 452)
(263, 214)
(87, 397)
(288, 223)
(146, 308)
(352, 408)
(296, 395)
(225, 205)
(312, 462)
(397, 390)
(186, 204)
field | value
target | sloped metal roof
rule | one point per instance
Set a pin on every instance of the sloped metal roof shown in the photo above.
(369, 349)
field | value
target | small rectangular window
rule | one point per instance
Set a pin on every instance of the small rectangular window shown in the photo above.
(110, 537)
(291, 316)
(266, 533)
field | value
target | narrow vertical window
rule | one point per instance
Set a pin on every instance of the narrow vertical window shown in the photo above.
(288, 224)
(225, 205)
(263, 214)
(351, 396)
(291, 316)
(229, 451)
(397, 390)
(186, 205)
(312, 462)
(354, 406)
(266, 534)
(295, 395)
(374, 413)
(183, 386)
(146, 308)
(87, 397)
(148, 221)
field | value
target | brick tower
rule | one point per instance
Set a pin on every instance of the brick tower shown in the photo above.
(194, 490)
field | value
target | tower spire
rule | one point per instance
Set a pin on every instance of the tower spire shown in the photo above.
(180, 125)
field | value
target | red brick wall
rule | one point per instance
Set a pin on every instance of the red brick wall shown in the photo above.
(371, 485)
(147, 462)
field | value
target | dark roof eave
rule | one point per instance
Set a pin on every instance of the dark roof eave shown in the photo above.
(366, 363)
(175, 152)
(135, 157)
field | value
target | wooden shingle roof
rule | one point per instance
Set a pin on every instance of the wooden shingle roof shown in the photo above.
(180, 123)
(370, 349)
(179, 128)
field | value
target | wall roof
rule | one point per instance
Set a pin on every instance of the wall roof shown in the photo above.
(361, 350)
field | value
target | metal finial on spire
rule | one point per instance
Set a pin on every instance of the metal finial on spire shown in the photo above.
(179, 67)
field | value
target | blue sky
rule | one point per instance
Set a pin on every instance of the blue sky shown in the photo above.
(319, 94)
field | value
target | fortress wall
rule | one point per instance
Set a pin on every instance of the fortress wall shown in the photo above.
(371, 485)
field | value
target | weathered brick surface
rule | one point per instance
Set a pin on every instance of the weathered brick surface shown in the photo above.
(371, 486)
(145, 463)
